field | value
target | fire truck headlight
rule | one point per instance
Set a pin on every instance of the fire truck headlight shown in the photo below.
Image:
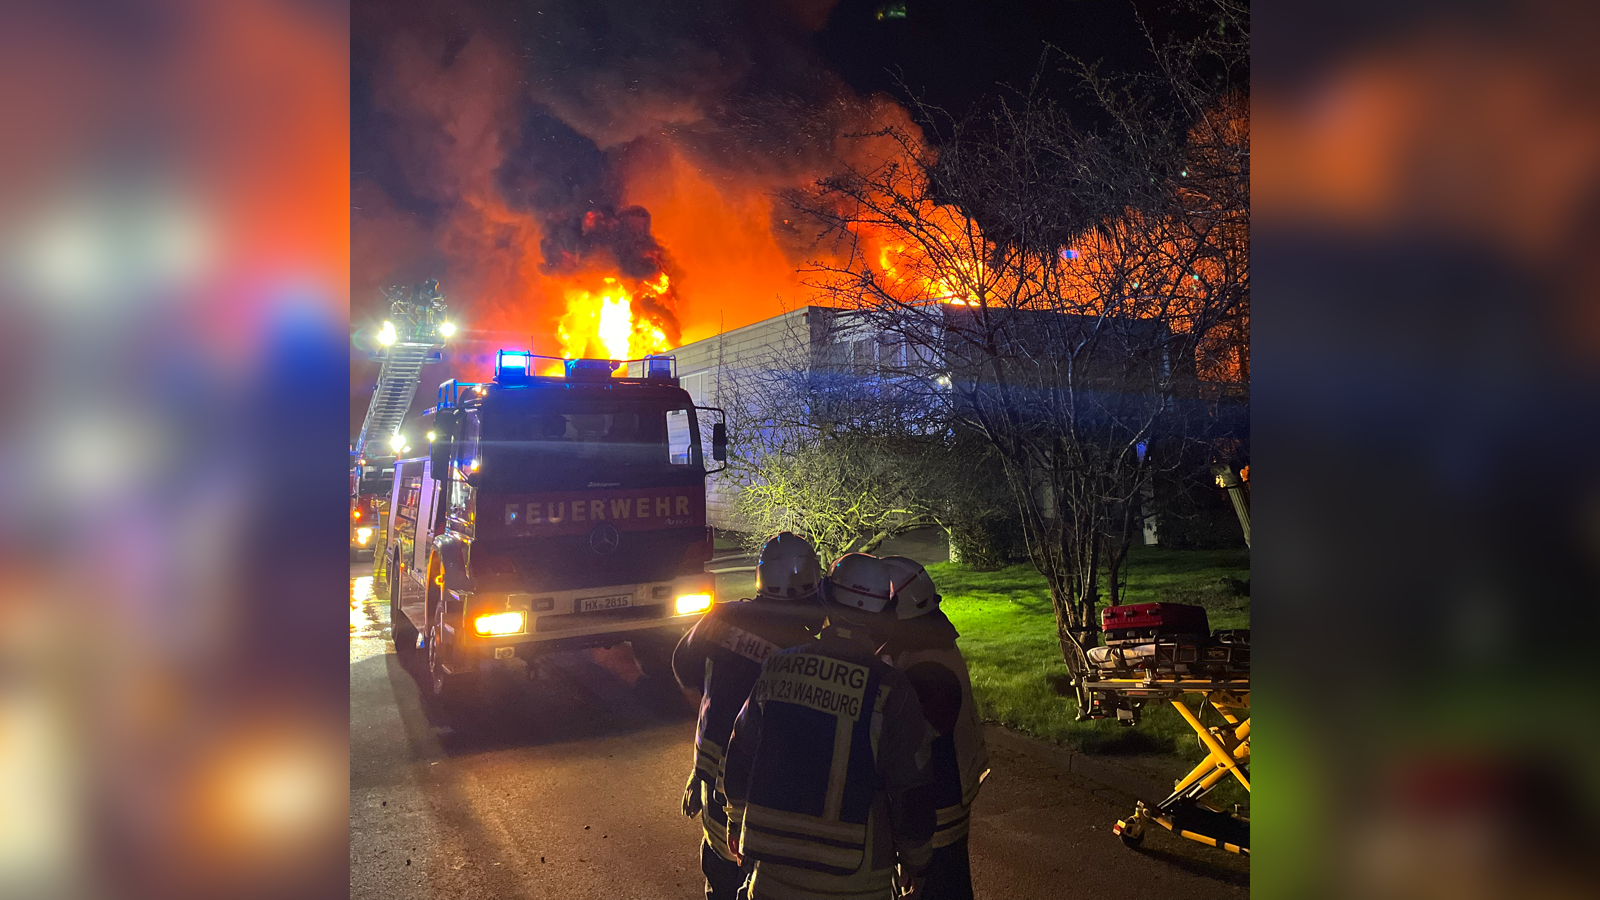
(693, 603)
(432, 436)
(398, 441)
(363, 535)
(447, 329)
(499, 623)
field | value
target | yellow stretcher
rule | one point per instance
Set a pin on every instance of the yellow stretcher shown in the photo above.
(1228, 752)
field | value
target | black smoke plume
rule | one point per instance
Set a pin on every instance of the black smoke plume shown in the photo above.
(540, 106)
(570, 185)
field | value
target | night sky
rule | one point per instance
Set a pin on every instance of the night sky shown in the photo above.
(955, 54)
(950, 53)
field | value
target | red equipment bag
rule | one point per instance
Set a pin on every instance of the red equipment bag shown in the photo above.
(1139, 623)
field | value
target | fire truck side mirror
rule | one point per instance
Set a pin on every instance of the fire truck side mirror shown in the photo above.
(439, 456)
(719, 442)
(446, 431)
(447, 423)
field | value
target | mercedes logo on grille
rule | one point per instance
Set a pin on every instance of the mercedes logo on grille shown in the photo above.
(604, 538)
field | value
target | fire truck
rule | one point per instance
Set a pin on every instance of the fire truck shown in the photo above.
(363, 525)
(370, 488)
(551, 512)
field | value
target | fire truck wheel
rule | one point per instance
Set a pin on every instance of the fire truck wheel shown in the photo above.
(443, 687)
(655, 657)
(438, 679)
(400, 630)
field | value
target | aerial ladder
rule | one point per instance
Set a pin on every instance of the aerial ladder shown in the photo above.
(411, 337)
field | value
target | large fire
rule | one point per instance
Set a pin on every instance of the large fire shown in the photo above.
(601, 323)
(544, 201)
(1135, 265)
(659, 241)
(921, 279)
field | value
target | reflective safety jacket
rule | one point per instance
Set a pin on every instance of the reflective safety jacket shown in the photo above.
(828, 759)
(925, 650)
(721, 657)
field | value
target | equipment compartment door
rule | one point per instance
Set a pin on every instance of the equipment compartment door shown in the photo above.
(425, 505)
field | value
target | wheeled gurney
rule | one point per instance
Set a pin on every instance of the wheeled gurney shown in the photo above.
(1135, 670)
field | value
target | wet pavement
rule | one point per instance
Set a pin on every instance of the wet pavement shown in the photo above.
(565, 782)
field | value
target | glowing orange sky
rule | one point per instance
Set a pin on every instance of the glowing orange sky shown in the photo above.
(718, 231)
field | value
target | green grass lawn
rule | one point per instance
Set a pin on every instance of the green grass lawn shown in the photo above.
(1008, 637)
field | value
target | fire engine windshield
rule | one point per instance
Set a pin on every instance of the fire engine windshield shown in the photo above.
(530, 447)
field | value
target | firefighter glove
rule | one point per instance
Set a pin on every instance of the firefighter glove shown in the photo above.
(691, 796)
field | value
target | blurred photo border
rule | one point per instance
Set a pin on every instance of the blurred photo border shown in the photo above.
(1426, 408)
(174, 253)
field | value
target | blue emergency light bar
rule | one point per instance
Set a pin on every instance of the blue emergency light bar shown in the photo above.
(512, 363)
(517, 365)
(660, 367)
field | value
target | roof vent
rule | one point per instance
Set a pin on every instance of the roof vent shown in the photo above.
(590, 369)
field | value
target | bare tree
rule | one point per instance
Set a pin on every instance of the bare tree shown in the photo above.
(811, 459)
(1076, 296)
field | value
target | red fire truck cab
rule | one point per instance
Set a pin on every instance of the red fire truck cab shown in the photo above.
(551, 512)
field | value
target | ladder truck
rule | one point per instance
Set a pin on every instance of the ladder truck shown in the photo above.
(412, 337)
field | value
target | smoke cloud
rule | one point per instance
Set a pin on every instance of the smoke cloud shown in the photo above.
(512, 150)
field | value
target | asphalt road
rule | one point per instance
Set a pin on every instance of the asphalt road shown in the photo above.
(566, 785)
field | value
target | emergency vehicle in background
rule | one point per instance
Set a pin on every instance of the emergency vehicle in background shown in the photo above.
(551, 512)
(412, 337)
(370, 488)
(363, 528)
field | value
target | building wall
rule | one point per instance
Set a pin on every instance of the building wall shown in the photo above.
(822, 338)
(705, 366)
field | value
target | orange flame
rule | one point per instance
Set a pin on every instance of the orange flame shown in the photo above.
(948, 265)
(601, 322)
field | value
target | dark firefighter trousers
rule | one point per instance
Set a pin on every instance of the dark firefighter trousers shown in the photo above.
(723, 878)
(949, 876)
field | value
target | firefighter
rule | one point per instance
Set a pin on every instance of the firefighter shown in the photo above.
(922, 644)
(721, 658)
(827, 775)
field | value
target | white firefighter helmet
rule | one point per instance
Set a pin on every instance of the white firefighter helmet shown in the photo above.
(787, 568)
(913, 591)
(860, 582)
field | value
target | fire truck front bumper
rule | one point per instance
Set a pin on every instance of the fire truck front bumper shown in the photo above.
(506, 626)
